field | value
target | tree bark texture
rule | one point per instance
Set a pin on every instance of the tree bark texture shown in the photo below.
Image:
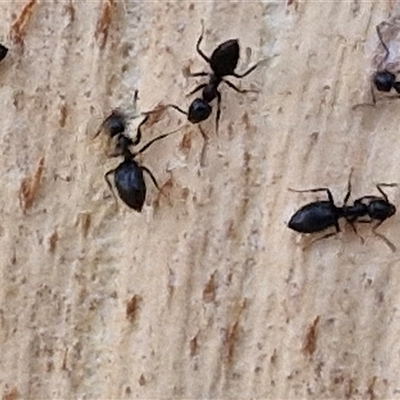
(206, 293)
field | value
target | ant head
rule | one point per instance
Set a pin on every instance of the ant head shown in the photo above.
(199, 110)
(384, 80)
(3, 51)
(115, 124)
(381, 209)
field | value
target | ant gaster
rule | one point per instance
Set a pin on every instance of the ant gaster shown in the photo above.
(223, 62)
(128, 176)
(320, 215)
(383, 79)
(3, 52)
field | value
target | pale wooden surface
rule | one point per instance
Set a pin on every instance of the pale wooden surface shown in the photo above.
(224, 295)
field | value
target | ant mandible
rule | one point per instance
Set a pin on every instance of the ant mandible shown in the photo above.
(223, 62)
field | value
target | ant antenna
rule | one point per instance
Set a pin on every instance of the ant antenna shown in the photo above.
(379, 33)
(147, 145)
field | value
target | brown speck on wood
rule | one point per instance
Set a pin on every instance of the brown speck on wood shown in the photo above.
(104, 22)
(53, 242)
(65, 358)
(84, 221)
(30, 186)
(12, 394)
(246, 120)
(63, 115)
(193, 345)
(18, 27)
(349, 390)
(209, 290)
(310, 343)
(142, 380)
(70, 9)
(132, 307)
(185, 193)
(230, 341)
(49, 366)
(186, 143)
(155, 114)
(274, 357)
(14, 258)
(370, 391)
(233, 331)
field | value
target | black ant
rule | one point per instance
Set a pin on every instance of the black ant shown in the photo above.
(128, 176)
(223, 62)
(3, 52)
(383, 79)
(320, 215)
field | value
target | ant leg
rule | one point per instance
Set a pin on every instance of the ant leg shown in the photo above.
(154, 180)
(176, 108)
(379, 187)
(196, 89)
(378, 31)
(196, 74)
(102, 126)
(147, 145)
(351, 222)
(107, 174)
(251, 69)
(328, 192)
(151, 176)
(323, 237)
(384, 238)
(218, 115)
(98, 132)
(346, 199)
(198, 44)
(139, 131)
(231, 85)
(204, 149)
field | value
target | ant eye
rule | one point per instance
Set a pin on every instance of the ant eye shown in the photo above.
(384, 81)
